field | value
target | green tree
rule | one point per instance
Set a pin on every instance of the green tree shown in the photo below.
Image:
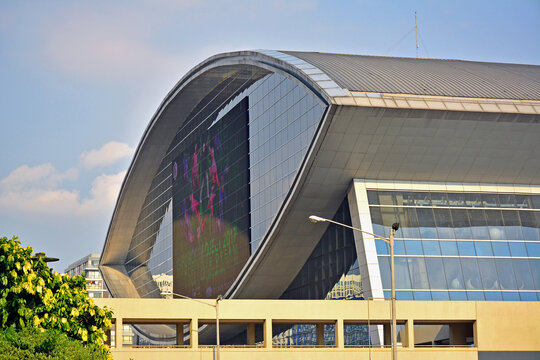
(31, 294)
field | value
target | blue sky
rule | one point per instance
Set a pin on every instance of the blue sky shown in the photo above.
(81, 79)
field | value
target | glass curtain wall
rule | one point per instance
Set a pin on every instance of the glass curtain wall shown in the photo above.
(460, 246)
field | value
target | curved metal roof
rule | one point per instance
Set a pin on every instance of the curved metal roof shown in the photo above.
(457, 78)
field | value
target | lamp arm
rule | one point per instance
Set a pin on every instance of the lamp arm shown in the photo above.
(357, 229)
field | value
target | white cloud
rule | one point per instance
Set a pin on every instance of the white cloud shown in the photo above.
(108, 154)
(37, 191)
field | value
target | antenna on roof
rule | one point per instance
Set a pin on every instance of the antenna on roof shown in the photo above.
(416, 30)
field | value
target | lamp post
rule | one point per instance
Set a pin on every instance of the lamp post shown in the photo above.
(390, 241)
(216, 306)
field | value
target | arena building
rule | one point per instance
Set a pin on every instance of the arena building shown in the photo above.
(249, 144)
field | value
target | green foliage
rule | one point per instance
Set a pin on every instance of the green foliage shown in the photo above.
(31, 343)
(31, 294)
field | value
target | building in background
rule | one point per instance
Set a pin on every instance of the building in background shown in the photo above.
(249, 144)
(88, 266)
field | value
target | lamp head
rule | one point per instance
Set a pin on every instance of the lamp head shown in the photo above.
(316, 219)
(395, 226)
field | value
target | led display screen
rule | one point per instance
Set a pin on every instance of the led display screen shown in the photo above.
(211, 206)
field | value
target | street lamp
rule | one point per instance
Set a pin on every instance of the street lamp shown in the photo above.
(390, 241)
(216, 306)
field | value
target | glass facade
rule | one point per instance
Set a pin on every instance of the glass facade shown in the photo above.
(459, 246)
(271, 120)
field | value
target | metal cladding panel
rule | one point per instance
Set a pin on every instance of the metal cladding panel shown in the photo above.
(428, 76)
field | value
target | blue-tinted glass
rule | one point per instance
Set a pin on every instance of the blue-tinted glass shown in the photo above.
(493, 295)
(475, 295)
(435, 272)
(528, 296)
(448, 248)
(454, 276)
(523, 274)
(500, 248)
(457, 295)
(466, 248)
(511, 296)
(387, 295)
(404, 295)
(533, 249)
(426, 223)
(418, 271)
(517, 249)
(399, 247)
(382, 247)
(506, 274)
(471, 274)
(440, 295)
(483, 248)
(403, 280)
(422, 295)
(431, 247)
(488, 272)
(414, 247)
(535, 269)
(384, 265)
(443, 220)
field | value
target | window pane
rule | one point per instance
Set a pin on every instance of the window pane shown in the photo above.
(409, 223)
(490, 200)
(462, 226)
(399, 247)
(456, 199)
(471, 274)
(426, 223)
(418, 271)
(495, 225)
(506, 274)
(517, 249)
(414, 247)
(439, 199)
(483, 248)
(527, 296)
(478, 224)
(473, 200)
(382, 247)
(530, 227)
(507, 200)
(403, 280)
(458, 295)
(448, 248)
(404, 295)
(512, 225)
(500, 248)
(443, 220)
(384, 265)
(475, 295)
(510, 296)
(422, 199)
(535, 269)
(373, 198)
(440, 295)
(452, 268)
(431, 247)
(422, 295)
(376, 221)
(523, 274)
(435, 272)
(493, 295)
(488, 272)
(386, 198)
(466, 248)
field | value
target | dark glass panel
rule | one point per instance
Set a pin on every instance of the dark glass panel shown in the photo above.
(506, 274)
(456, 199)
(512, 225)
(523, 274)
(418, 271)
(466, 248)
(386, 198)
(507, 200)
(536, 201)
(524, 201)
(426, 223)
(462, 225)
(478, 224)
(473, 200)
(422, 199)
(439, 199)
(454, 276)
(435, 272)
(373, 197)
(443, 220)
(530, 225)
(376, 220)
(491, 200)
(488, 272)
(448, 248)
(495, 225)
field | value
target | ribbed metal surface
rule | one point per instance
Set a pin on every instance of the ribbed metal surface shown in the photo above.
(428, 76)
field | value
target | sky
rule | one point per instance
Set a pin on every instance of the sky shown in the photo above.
(80, 80)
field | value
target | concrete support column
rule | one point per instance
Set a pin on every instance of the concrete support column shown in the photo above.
(268, 333)
(180, 334)
(409, 334)
(340, 334)
(320, 334)
(194, 333)
(251, 334)
(118, 333)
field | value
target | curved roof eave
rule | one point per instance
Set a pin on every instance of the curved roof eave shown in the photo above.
(160, 131)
